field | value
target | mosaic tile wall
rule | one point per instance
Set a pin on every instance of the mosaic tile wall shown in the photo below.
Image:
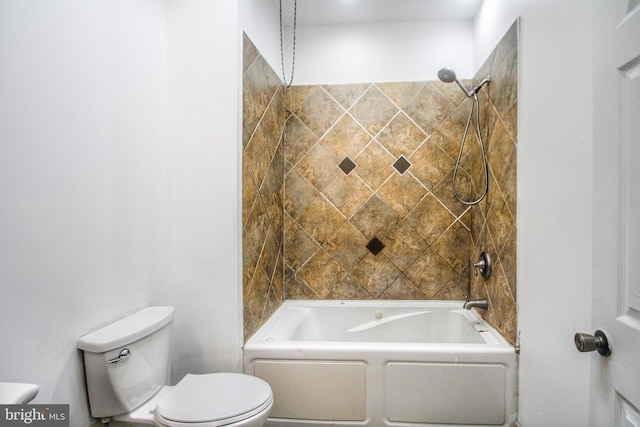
(368, 207)
(262, 188)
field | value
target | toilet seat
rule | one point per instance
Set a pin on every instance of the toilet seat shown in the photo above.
(213, 400)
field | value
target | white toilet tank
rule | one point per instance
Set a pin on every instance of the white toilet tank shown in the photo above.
(127, 362)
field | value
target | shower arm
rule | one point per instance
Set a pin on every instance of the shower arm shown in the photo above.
(476, 89)
(464, 88)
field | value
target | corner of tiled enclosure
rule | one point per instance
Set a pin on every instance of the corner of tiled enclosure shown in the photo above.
(494, 219)
(262, 189)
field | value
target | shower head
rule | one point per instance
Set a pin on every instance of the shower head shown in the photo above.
(447, 75)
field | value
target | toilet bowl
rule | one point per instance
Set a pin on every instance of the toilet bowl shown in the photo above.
(210, 400)
(126, 365)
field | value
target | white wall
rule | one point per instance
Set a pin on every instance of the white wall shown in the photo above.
(260, 20)
(83, 180)
(203, 93)
(119, 130)
(554, 200)
(381, 52)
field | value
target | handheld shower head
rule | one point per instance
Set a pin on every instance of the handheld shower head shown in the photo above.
(447, 75)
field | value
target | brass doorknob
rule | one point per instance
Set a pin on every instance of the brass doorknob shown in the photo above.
(597, 341)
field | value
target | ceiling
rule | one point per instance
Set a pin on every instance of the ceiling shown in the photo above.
(336, 12)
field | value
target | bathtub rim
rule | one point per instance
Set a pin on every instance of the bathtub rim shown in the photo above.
(258, 339)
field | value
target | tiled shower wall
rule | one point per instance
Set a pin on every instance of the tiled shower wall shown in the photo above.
(494, 219)
(368, 207)
(369, 211)
(262, 189)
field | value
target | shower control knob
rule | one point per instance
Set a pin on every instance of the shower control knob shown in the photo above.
(483, 265)
(597, 341)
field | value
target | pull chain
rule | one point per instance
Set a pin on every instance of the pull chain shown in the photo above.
(293, 60)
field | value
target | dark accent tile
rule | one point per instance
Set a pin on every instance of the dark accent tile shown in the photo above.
(402, 165)
(347, 165)
(375, 246)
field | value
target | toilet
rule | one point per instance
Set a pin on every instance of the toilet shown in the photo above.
(126, 367)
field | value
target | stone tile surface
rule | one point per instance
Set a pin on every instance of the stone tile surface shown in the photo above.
(314, 245)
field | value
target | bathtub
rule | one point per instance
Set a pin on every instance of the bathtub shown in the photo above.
(383, 363)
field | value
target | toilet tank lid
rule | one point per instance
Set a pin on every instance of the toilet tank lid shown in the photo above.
(127, 330)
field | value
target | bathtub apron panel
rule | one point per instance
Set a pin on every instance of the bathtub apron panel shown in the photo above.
(384, 363)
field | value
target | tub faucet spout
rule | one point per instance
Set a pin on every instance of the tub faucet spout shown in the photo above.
(480, 303)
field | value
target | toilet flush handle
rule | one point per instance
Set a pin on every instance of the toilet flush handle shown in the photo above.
(124, 355)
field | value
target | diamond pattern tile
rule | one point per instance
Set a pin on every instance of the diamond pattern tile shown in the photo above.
(463, 187)
(374, 165)
(374, 218)
(401, 136)
(429, 108)
(257, 90)
(321, 219)
(296, 96)
(346, 137)
(263, 187)
(430, 273)
(404, 245)
(375, 274)
(346, 94)
(375, 246)
(319, 166)
(347, 193)
(450, 131)
(347, 165)
(401, 165)
(319, 112)
(373, 110)
(402, 193)
(300, 245)
(347, 246)
(452, 246)
(347, 288)
(299, 139)
(431, 164)
(300, 192)
(430, 219)
(321, 273)
(402, 289)
(401, 93)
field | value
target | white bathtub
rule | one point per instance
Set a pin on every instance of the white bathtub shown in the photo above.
(383, 363)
